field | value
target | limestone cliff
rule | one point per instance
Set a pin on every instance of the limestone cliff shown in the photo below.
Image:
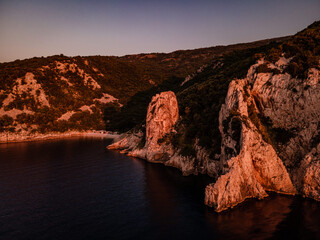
(255, 158)
(162, 114)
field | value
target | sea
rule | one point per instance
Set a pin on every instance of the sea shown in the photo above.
(75, 188)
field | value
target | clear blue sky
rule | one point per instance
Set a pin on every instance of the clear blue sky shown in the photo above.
(31, 28)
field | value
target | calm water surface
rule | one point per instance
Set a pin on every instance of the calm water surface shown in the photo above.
(76, 189)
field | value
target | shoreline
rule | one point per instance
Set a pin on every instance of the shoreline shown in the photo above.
(18, 138)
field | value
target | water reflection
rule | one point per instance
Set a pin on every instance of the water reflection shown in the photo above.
(161, 195)
(302, 222)
(175, 204)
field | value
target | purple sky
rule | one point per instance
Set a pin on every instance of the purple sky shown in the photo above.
(31, 28)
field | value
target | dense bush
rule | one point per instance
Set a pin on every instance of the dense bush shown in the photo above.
(6, 120)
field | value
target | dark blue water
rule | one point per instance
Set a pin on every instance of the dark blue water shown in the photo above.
(76, 189)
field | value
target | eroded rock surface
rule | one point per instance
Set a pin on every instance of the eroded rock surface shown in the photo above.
(251, 165)
(163, 113)
(269, 123)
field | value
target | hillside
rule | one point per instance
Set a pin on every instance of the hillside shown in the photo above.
(60, 93)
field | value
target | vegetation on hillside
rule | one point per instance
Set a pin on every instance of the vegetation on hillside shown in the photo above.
(201, 102)
(303, 48)
(133, 79)
(63, 82)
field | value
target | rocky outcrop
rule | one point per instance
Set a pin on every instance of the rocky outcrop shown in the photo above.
(163, 113)
(251, 165)
(268, 124)
(161, 116)
(127, 142)
(293, 107)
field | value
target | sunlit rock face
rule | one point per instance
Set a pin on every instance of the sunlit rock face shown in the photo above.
(251, 165)
(163, 113)
(269, 126)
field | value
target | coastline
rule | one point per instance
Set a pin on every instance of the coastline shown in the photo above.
(27, 137)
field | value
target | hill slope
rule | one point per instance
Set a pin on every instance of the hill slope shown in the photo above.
(62, 93)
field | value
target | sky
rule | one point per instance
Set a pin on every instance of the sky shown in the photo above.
(30, 28)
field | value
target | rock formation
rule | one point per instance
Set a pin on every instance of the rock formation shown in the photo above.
(162, 115)
(253, 161)
(250, 164)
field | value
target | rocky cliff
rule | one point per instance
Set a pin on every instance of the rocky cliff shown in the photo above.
(255, 158)
(162, 115)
